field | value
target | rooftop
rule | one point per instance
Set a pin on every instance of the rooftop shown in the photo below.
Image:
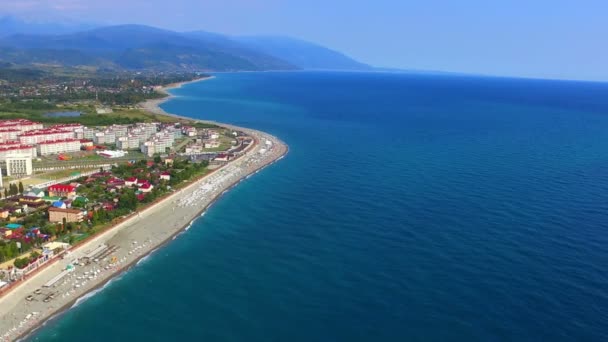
(59, 210)
(62, 187)
(58, 141)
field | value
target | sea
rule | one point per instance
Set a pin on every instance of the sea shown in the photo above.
(411, 207)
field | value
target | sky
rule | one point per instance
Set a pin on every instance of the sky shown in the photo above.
(529, 38)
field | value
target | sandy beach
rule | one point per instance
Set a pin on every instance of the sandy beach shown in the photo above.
(117, 249)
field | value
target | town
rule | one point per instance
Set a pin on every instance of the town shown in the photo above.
(62, 183)
(21, 87)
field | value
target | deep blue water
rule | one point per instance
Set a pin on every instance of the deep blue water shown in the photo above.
(410, 207)
(62, 114)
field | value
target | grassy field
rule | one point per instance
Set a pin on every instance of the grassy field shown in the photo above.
(89, 117)
(62, 173)
(30, 181)
(43, 177)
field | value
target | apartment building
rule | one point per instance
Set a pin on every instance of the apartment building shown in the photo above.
(19, 166)
(42, 135)
(58, 146)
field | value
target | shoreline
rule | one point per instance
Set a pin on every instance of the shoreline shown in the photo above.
(191, 195)
(153, 106)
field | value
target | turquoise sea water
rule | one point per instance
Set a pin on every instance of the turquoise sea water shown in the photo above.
(410, 207)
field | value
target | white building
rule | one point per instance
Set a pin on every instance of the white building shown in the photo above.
(9, 134)
(42, 135)
(22, 125)
(212, 144)
(19, 166)
(112, 154)
(127, 143)
(59, 146)
(110, 137)
(70, 127)
(15, 148)
(119, 130)
(99, 138)
(158, 144)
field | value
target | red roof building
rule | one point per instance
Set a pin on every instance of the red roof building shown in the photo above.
(165, 175)
(41, 135)
(130, 181)
(62, 190)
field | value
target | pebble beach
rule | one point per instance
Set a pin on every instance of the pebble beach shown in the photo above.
(120, 247)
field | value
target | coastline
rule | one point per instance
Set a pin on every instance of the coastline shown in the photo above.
(153, 106)
(156, 225)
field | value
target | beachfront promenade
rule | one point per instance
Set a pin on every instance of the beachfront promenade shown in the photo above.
(126, 243)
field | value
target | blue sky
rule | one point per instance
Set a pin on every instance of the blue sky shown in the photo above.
(532, 38)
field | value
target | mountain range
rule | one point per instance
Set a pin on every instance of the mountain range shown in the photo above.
(139, 47)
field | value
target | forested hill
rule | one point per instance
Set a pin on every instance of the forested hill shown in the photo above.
(138, 47)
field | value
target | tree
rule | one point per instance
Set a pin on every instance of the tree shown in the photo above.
(64, 221)
(21, 262)
(79, 202)
(128, 200)
(21, 188)
(50, 230)
(5, 192)
(157, 159)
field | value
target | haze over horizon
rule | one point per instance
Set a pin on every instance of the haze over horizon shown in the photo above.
(544, 39)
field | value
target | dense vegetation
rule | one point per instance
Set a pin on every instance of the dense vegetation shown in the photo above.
(137, 47)
(96, 193)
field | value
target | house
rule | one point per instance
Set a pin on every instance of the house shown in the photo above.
(165, 175)
(130, 181)
(145, 188)
(14, 210)
(62, 190)
(5, 233)
(59, 204)
(70, 215)
(35, 192)
(34, 232)
(51, 246)
(212, 144)
(108, 206)
(116, 183)
(31, 201)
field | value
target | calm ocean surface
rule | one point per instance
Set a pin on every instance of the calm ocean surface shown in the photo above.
(410, 207)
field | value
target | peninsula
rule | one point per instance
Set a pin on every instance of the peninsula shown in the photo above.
(150, 200)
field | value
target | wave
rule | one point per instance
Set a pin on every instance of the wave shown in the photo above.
(189, 226)
(176, 235)
(88, 295)
(146, 257)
